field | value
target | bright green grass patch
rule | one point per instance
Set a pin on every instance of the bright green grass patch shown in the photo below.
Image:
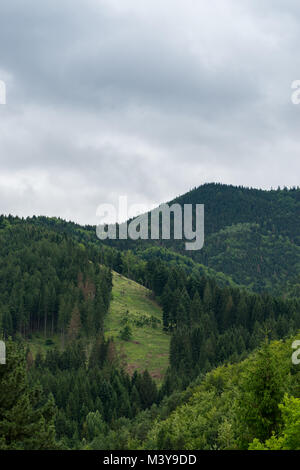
(149, 345)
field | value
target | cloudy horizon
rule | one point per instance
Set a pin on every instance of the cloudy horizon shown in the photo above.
(146, 99)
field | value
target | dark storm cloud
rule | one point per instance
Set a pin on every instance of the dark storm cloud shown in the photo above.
(117, 97)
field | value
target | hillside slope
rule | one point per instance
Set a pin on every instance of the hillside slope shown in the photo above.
(224, 410)
(148, 348)
(252, 236)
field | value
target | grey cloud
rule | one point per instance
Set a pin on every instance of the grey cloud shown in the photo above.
(144, 98)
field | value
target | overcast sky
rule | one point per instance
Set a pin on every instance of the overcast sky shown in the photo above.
(145, 98)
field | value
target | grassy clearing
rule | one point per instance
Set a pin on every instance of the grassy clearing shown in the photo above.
(149, 346)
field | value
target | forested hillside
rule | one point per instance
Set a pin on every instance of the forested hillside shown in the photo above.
(49, 283)
(83, 321)
(254, 404)
(251, 236)
(52, 286)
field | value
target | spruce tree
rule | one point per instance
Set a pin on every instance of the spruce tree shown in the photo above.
(26, 420)
(261, 391)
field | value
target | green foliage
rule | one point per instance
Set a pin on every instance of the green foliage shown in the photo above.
(233, 405)
(44, 276)
(252, 238)
(289, 436)
(261, 389)
(206, 308)
(26, 417)
(90, 392)
(134, 304)
(93, 425)
(126, 333)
